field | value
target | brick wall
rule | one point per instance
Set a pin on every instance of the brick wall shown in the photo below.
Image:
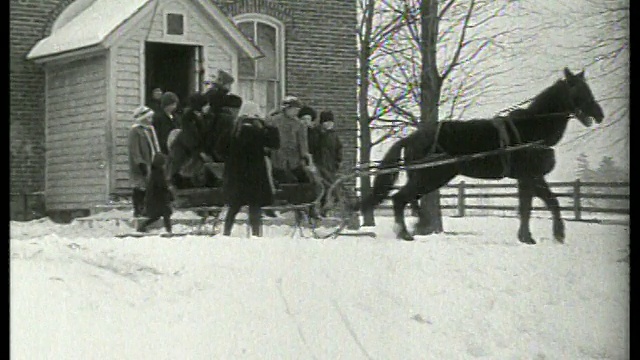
(321, 69)
(321, 56)
(29, 21)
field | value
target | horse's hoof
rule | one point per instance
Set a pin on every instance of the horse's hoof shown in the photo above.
(560, 238)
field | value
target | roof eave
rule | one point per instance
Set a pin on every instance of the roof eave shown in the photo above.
(230, 29)
(78, 52)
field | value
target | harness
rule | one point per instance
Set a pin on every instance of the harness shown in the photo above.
(502, 124)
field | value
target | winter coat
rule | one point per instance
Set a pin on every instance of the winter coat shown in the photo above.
(222, 134)
(326, 149)
(294, 145)
(155, 106)
(215, 97)
(245, 179)
(141, 151)
(158, 197)
(163, 125)
(192, 136)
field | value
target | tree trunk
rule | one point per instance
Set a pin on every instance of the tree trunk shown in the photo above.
(365, 181)
(363, 105)
(430, 86)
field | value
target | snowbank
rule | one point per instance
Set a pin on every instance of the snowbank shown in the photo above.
(474, 292)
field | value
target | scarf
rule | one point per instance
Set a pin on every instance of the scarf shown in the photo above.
(152, 138)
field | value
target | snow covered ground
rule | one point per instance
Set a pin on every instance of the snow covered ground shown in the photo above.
(472, 292)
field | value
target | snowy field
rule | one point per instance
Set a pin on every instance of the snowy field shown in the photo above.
(473, 292)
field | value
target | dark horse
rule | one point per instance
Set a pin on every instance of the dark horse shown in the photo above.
(544, 121)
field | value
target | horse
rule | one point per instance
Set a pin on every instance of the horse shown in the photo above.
(543, 121)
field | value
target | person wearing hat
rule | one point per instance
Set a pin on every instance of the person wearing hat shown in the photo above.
(327, 154)
(293, 155)
(154, 102)
(308, 116)
(166, 120)
(246, 179)
(186, 144)
(223, 126)
(143, 144)
(217, 90)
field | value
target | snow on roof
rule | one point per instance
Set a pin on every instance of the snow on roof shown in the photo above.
(88, 28)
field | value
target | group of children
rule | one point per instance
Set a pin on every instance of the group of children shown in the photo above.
(258, 153)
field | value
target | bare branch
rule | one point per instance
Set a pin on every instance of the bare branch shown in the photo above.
(445, 8)
(456, 56)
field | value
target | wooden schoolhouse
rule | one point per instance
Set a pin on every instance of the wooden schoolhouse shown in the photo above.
(78, 74)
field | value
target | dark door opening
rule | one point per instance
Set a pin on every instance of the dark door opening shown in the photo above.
(172, 68)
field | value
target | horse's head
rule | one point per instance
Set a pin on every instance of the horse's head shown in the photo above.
(584, 105)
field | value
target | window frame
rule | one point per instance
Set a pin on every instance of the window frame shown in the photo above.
(179, 16)
(165, 25)
(280, 45)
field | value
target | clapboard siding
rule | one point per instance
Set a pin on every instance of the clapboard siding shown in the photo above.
(200, 31)
(75, 142)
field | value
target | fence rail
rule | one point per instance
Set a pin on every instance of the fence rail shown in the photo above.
(599, 198)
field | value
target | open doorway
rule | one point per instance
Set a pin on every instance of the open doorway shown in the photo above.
(172, 67)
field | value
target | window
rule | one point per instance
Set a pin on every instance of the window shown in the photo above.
(262, 80)
(175, 24)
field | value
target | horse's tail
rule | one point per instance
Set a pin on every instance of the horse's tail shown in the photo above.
(383, 183)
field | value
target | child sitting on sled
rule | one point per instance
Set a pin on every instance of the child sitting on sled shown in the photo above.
(158, 197)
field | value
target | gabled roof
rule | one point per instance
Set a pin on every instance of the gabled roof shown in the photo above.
(95, 24)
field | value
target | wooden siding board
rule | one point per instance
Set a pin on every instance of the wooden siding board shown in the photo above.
(219, 55)
(76, 111)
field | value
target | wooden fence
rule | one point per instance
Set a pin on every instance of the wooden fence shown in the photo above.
(576, 197)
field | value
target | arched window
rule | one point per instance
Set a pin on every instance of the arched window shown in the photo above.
(262, 80)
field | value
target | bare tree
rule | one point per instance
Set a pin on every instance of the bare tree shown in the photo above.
(377, 23)
(431, 65)
(604, 40)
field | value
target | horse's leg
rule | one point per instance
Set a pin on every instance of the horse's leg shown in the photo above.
(542, 190)
(400, 199)
(430, 180)
(525, 196)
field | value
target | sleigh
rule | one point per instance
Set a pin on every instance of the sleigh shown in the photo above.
(294, 204)
(287, 194)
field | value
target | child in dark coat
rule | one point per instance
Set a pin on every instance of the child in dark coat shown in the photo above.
(158, 197)
(327, 152)
(246, 181)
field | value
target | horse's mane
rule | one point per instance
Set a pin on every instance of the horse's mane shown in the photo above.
(548, 101)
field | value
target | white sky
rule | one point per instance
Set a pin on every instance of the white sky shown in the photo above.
(537, 62)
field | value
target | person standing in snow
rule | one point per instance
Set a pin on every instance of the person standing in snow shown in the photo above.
(143, 145)
(293, 155)
(327, 152)
(158, 197)
(245, 179)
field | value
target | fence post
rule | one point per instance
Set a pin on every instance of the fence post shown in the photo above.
(577, 206)
(461, 198)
